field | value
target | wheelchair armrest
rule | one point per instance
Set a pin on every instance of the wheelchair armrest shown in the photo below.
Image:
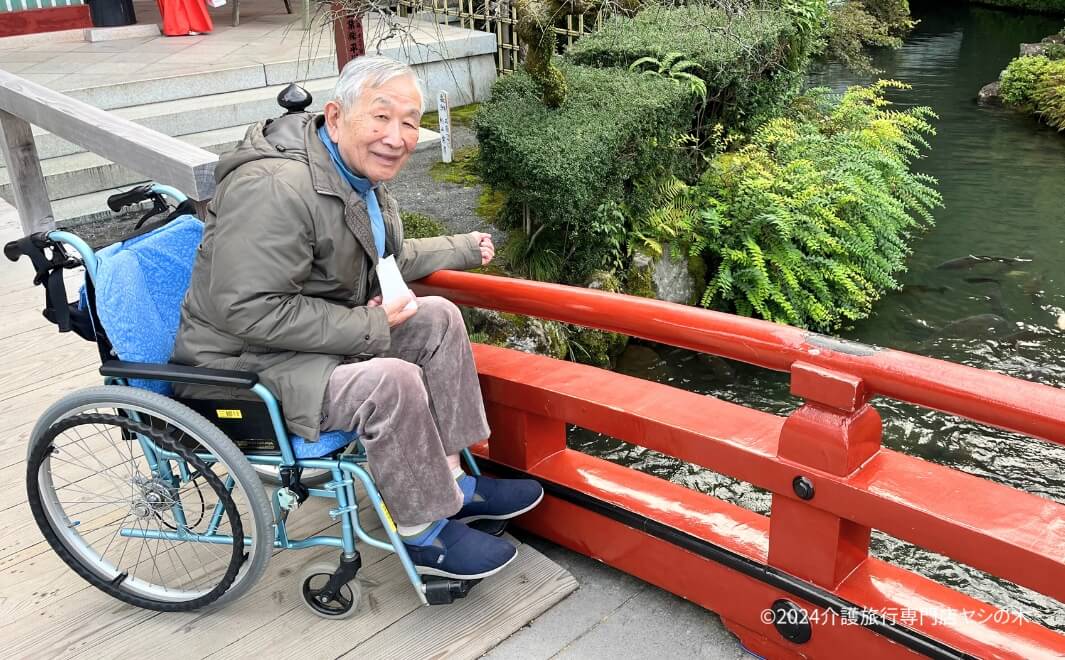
(179, 373)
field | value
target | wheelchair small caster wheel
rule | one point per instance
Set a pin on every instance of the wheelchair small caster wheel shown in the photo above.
(342, 604)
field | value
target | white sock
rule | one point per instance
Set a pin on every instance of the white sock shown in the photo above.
(413, 530)
(457, 472)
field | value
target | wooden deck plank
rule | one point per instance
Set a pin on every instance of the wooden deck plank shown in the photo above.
(468, 628)
(136, 632)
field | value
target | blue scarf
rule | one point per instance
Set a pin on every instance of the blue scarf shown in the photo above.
(362, 186)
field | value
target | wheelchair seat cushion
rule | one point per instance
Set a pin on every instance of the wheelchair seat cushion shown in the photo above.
(328, 442)
(140, 284)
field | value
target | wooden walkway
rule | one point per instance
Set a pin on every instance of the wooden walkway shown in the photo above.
(48, 611)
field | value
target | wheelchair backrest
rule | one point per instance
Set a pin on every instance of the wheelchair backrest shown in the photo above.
(140, 284)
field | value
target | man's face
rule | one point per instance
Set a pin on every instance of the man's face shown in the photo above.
(378, 134)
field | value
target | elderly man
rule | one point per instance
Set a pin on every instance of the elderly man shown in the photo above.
(285, 285)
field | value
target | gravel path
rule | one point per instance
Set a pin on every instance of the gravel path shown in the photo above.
(451, 204)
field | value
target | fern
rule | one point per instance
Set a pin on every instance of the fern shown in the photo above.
(1049, 95)
(676, 68)
(808, 222)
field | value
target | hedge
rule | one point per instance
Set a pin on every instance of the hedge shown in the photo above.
(750, 61)
(562, 165)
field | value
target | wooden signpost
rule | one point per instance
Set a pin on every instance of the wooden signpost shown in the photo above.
(444, 114)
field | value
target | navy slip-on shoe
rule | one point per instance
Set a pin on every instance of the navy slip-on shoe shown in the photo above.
(500, 499)
(461, 553)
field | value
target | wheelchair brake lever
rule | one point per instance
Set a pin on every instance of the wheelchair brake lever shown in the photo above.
(292, 488)
(287, 500)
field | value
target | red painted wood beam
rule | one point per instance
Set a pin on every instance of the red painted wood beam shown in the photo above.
(33, 21)
(986, 631)
(982, 396)
(1007, 532)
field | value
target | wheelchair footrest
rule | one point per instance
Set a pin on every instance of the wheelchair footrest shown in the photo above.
(444, 591)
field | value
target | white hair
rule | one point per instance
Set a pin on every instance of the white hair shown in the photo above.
(368, 72)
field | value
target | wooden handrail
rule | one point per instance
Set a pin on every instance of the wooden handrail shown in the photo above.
(158, 157)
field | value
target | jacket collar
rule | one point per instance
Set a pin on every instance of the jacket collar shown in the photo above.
(324, 175)
(328, 181)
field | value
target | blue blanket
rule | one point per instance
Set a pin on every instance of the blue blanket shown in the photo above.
(140, 284)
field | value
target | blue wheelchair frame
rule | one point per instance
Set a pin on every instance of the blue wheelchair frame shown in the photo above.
(344, 469)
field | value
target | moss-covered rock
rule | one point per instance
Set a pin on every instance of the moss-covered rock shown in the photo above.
(595, 347)
(523, 333)
(672, 276)
(639, 280)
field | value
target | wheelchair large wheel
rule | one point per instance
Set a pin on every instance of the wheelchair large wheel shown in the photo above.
(147, 500)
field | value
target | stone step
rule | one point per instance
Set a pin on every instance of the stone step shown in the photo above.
(233, 97)
(438, 52)
(195, 115)
(204, 83)
(91, 206)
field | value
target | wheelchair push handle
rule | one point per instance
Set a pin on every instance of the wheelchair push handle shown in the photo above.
(14, 250)
(119, 201)
(144, 192)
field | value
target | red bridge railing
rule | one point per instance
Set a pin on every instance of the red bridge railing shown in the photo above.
(800, 583)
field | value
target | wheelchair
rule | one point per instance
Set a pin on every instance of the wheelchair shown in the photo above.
(169, 503)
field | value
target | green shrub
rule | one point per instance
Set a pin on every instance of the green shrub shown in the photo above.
(558, 167)
(808, 223)
(854, 25)
(1019, 79)
(418, 225)
(1049, 95)
(750, 61)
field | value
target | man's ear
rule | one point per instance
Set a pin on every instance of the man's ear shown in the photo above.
(333, 114)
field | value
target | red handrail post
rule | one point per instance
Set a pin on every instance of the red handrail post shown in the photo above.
(835, 431)
(521, 439)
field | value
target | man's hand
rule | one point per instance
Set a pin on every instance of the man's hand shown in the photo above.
(484, 241)
(394, 309)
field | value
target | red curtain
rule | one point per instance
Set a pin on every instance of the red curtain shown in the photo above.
(183, 16)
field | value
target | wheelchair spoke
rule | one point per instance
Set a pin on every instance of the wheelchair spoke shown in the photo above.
(118, 482)
(80, 442)
(115, 535)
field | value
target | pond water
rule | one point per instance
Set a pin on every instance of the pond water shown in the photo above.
(1002, 177)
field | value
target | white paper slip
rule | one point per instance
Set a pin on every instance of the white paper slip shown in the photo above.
(392, 284)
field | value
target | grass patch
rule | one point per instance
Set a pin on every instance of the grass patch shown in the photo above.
(490, 204)
(462, 170)
(461, 116)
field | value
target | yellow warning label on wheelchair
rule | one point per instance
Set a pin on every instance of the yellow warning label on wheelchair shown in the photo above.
(388, 516)
(229, 414)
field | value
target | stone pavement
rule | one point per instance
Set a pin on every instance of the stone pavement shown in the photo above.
(266, 36)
